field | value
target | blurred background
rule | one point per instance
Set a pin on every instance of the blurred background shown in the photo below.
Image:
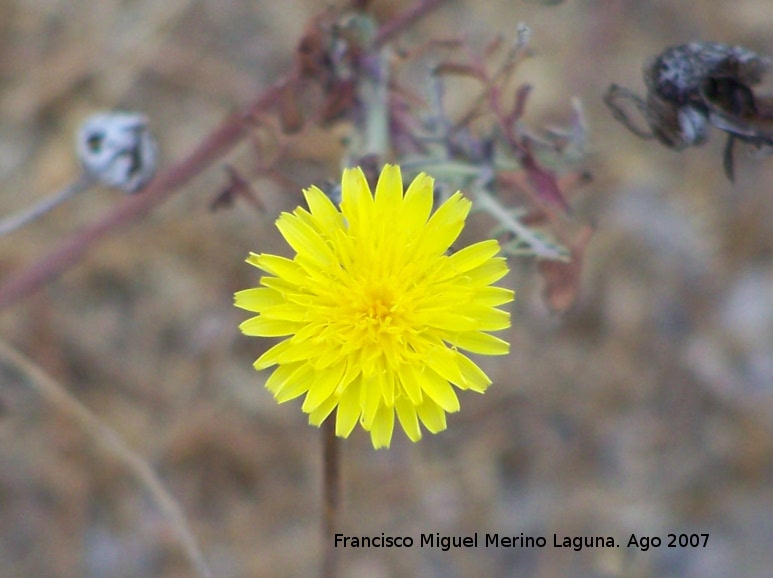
(646, 409)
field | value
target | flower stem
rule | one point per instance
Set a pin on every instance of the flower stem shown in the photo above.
(330, 483)
(374, 93)
(18, 220)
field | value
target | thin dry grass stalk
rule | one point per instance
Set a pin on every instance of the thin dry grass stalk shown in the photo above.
(109, 441)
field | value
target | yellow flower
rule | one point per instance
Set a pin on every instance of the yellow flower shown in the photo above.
(373, 309)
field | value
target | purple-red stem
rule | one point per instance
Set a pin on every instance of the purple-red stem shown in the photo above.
(401, 21)
(72, 250)
(214, 146)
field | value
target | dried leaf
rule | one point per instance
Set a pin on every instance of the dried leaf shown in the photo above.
(458, 69)
(237, 186)
(543, 182)
(290, 113)
(521, 96)
(562, 280)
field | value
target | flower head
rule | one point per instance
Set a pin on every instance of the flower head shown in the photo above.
(373, 310)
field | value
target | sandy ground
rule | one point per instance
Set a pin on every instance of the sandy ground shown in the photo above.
(647, 409)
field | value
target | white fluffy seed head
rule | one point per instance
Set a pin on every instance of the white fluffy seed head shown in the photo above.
(117, 149)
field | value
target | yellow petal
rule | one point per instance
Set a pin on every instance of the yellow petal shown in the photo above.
(370, 359)
(309, 331)
(417, 204)
(473, 256)
(452, 321)
(320, 414)
(324, 385)
(285, 288)
(323, 210)
(490, 272)
(389, 194)
(296, 384)
(280, 376)
(479, 342)
(474, 376)
(286, 312)
(445, 225)
(303, 350)
(383, 425)
(262, 327)
(411, 382)
(304, 239)
(439, 390)
(257, 299)
(272, 356)
(388, 389)
(406, 413)
(352, 372)
(493, 296)
(442, 360)
(348, 412)
(282, 267)
(489, 319)
(432, 416)
(356, 201)
(370, 399)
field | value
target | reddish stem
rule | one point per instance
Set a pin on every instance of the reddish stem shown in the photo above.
(402, 21)
(331, 497)
(218, 143)
(214, 146)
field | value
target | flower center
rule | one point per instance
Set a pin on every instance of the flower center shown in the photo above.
(379, 306)
(377, 314)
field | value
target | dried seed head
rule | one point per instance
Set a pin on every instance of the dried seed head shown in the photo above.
(679, 73)
(118, 150)
(694, 86)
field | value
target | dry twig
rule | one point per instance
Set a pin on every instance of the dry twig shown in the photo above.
(109, 440)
